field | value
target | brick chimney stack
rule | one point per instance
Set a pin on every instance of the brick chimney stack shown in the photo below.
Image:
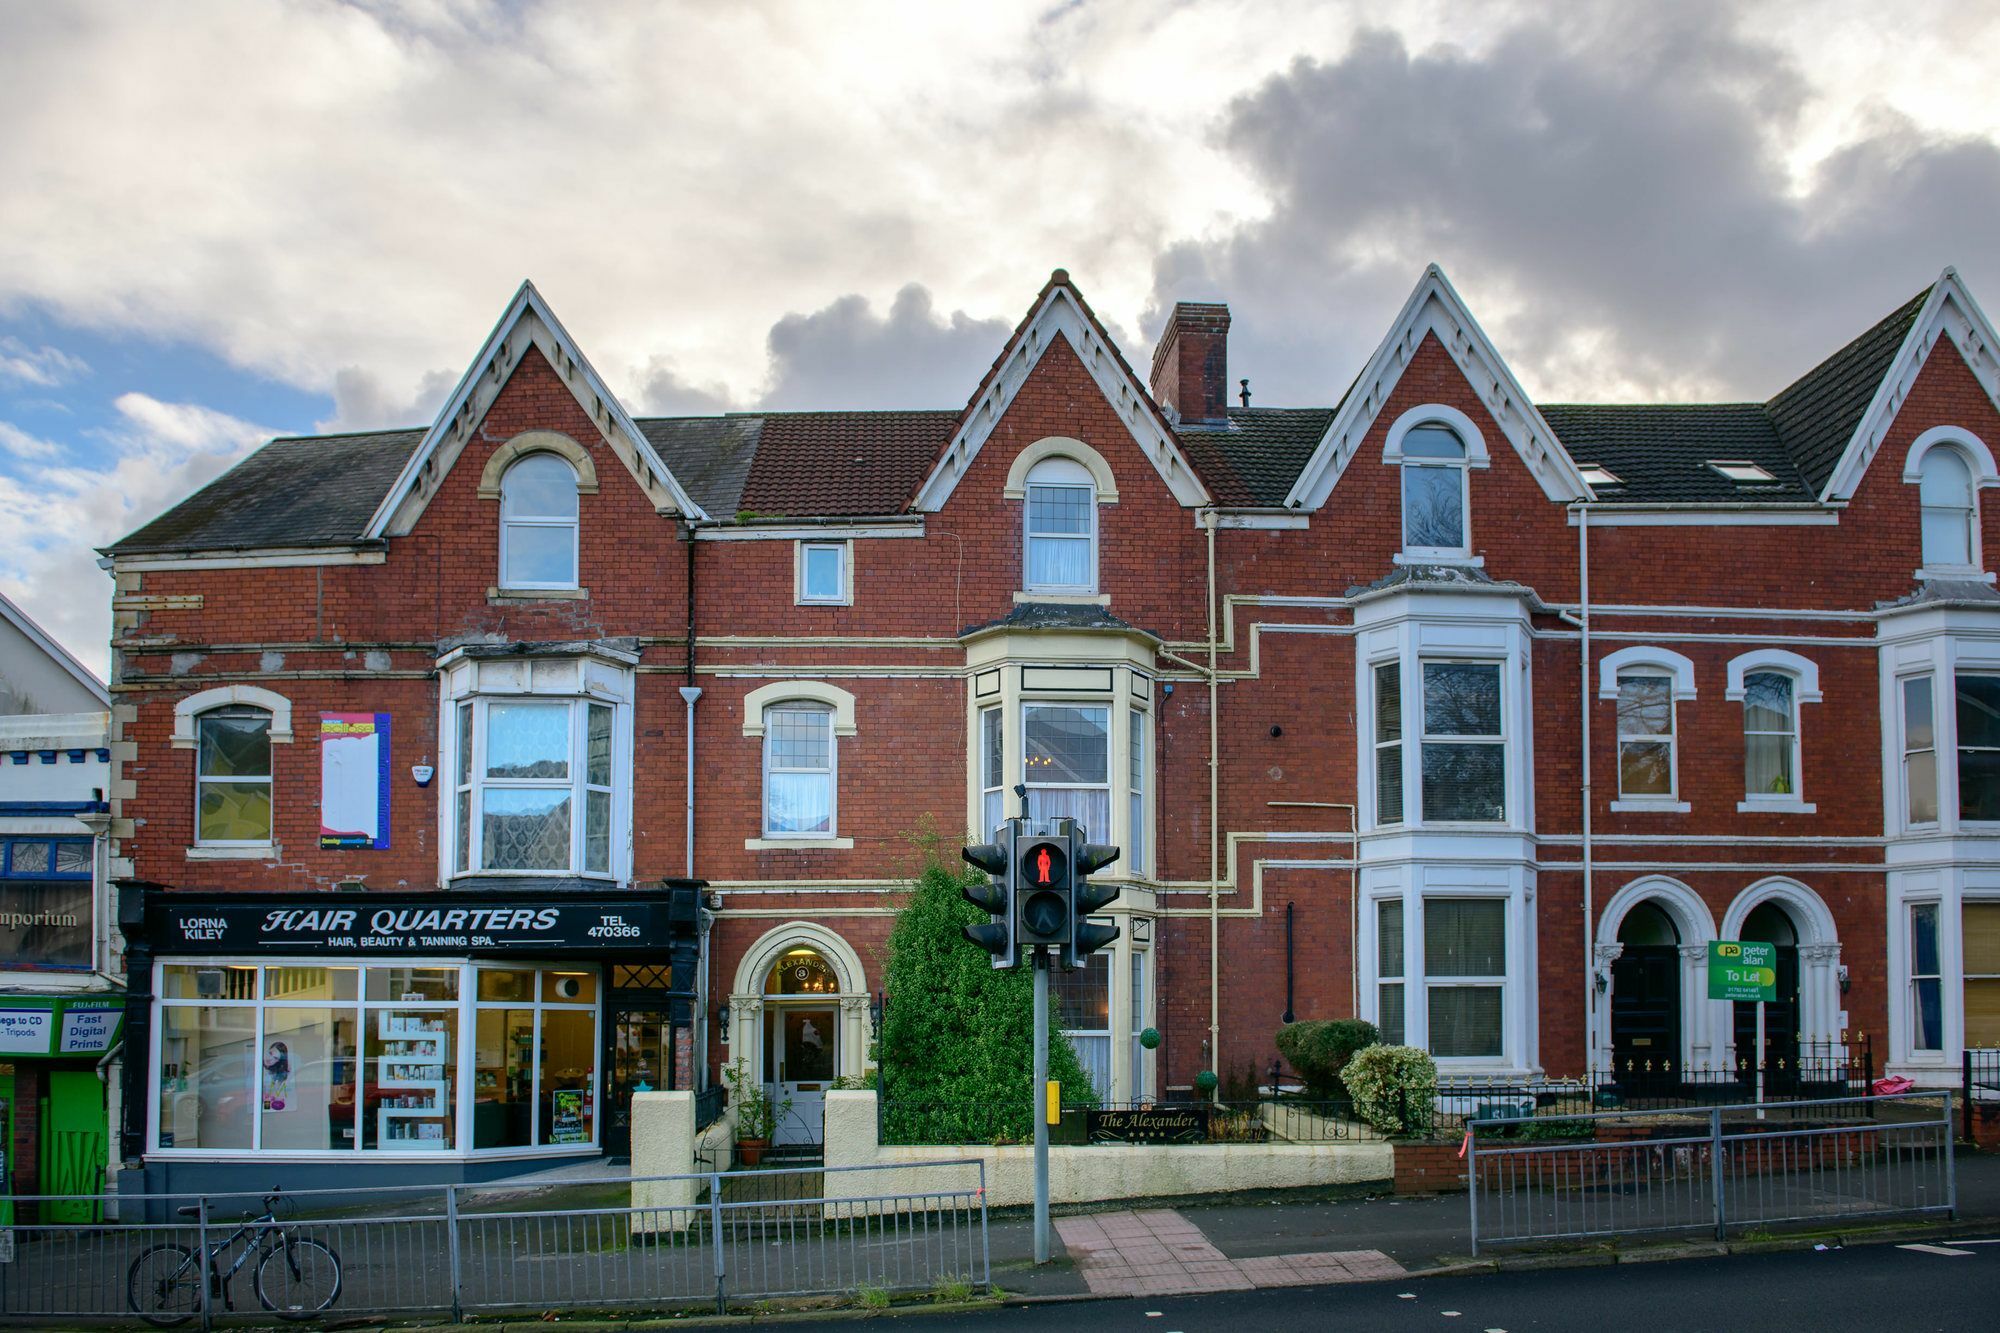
(1191, 362)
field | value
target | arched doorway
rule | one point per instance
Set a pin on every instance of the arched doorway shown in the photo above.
(1646, 1001)
(1769, 923)
(798, 1020)
(801, 1041)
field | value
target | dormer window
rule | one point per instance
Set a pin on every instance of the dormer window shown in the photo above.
(1433, 491)
(1061, 507)
(538, 524)
(1596, 474)
(1742, 472)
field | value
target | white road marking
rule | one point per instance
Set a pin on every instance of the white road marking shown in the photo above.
(1406, 1295)
(1938, 1249)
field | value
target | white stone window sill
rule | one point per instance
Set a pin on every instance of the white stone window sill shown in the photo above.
(1638, 807)
(1964, 574)
(1064, 598)
(1787, 806)
(262, 851)
(797, 844)
(1439, 558)
(824, 601)
(536, 594)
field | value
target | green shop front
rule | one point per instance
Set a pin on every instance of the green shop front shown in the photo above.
(55, 1082)
(352, 1038)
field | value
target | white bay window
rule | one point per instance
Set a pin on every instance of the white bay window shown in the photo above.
(1066, 754)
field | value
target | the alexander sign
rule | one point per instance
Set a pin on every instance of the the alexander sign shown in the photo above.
(363, 924)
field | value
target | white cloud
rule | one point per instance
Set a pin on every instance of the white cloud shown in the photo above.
(19, 443)
(43, 366)
(54, 515)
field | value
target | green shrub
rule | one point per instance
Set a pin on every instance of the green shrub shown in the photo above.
(957, 1052)
(1318, 1049)
(1393, 1087)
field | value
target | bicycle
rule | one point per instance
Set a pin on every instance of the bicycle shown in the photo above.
(296, 1276)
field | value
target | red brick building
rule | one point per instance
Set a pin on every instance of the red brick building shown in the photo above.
(1476, 717)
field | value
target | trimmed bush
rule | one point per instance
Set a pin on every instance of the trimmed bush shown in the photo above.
(1394, 1088)
(1318, 1049)
(957, 1052)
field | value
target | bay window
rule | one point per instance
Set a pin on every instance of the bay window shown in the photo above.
(1465, 975)
(1066, 758)
(1135, 836)
(1389, 743)
(534, 786)
(1082, 1001)
(1978, 716)
(1926, 980)
(1979, 925)
(1920, 775)
(1389, 968)
(992, 770)
(1463, 750)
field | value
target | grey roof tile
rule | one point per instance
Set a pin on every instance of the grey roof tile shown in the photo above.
(1660, 452)
(1817, 413)
(1257, 456)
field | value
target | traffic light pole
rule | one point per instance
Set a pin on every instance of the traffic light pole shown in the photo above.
(1040, 1099)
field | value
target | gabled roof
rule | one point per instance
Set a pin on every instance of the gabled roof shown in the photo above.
(302, 491)
(527, 322)
(1060, 312)
(1435, 307)
(1945, 310)
(54, 651)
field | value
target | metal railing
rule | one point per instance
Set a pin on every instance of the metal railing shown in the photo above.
(708, 1106)
(1980, 1089)
(647, 1243)
(1716, 1168)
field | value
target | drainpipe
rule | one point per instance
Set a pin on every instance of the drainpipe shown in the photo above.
(690, 692)
(1583, 666)
(1214, 832)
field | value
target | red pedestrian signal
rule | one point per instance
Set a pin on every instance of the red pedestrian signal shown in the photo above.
(1043, 866)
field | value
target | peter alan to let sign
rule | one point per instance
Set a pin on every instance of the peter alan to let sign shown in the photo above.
(1742, 970)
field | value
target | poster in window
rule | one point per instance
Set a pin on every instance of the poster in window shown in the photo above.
(568, 1127)
(354, 781)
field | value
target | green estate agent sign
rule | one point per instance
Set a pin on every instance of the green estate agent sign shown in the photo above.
(1742, 970)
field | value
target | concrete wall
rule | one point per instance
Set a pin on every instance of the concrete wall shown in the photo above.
(666, 1143)
(1091, 1174)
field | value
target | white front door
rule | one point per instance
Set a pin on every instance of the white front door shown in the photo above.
(801, 1051)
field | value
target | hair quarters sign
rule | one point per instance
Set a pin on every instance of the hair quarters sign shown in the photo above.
(309, 925)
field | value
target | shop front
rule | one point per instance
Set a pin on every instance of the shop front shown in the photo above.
(361, 1038)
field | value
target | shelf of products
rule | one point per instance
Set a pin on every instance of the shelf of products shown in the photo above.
(413, 1076)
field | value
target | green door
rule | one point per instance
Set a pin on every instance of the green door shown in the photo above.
(73, 1144)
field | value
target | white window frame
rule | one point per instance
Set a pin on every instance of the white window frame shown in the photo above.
(1059, 473)
(1973, 453)
(1959, 748)
(1397, 905)
(1902, 706)
(1385, 818)
(1497, 982)
(1423, 738)
(1648, 659)
(843, 552)
(1670, 797)
(574, 525)
(466, 1008)
(992, 733)
(819, 709)
(1138, 850)
(469, 781)
(1910, 910)
(1107, 705)
(1473, 441)
(270, 779)
(1804, 673)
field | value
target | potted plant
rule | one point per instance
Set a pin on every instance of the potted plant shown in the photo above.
(756, 1114)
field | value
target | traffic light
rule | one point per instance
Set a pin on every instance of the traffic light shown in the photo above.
(1086, 898)
(995, 896)
(1041, 891)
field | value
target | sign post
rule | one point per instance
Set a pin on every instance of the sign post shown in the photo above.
(1041, 1119)
(1745, 970)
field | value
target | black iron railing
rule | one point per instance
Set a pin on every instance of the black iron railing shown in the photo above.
(1981, 1086)
(708, 1106)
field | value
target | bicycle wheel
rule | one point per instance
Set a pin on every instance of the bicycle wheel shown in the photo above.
(163, 1285)
(299, 1278)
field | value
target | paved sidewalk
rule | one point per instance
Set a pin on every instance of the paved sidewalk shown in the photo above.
(1237, 1246)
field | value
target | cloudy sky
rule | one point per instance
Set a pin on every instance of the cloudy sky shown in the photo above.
(223, 221)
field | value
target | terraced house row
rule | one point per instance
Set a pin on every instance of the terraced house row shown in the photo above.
(472, 776)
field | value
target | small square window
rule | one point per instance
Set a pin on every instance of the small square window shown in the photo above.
(1745, 473)
(823, 572)
(1596, 474)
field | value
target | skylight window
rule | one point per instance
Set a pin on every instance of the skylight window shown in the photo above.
(1744, 473)
(1596, 474)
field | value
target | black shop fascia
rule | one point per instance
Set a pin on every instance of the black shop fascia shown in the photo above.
(470, 1031)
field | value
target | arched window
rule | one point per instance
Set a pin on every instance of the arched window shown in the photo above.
(232, 777)
(1944, 489)
(798, 770)
(1061, 527)
(1433, 491)
(538, 524)
(1770, 736)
